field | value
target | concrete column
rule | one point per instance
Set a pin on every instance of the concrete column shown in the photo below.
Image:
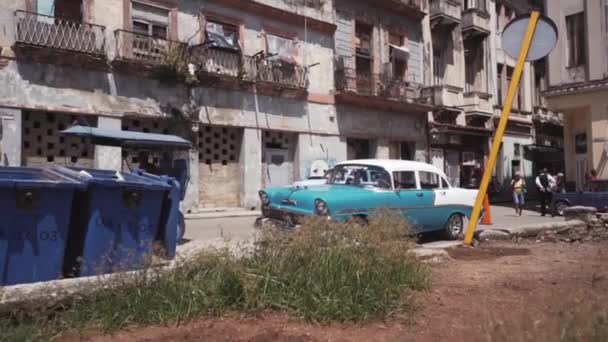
(107, 157)
(191, 200)
(11, 142)
(330, 149)
(251, 167)
(381, 149)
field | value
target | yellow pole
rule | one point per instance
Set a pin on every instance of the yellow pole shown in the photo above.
(502, 124)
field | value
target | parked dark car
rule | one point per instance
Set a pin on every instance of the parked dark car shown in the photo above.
(598, 198)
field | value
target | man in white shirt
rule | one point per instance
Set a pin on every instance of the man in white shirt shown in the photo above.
(545, 184)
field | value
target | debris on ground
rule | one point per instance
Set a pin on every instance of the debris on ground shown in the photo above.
(596, 230)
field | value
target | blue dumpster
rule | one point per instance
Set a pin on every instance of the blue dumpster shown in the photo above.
(170, 231)
(34, 221)
(114, 223)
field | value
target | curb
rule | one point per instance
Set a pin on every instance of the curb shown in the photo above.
(222, 214)
(532, 230)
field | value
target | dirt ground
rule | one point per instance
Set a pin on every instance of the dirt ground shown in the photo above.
(496, 292)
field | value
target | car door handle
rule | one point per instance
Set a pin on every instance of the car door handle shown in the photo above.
(420, 194)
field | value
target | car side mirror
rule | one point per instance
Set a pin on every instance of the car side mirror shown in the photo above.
(398, 189)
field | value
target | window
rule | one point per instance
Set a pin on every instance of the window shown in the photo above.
(429, 180)
(499, 84)
(405, 180)
(150, 21)
(517, 150)
(363, 39)
(575, 30)
(444, 183)
(398, 55)
(361, 175)
(282, 48)
(222, 34)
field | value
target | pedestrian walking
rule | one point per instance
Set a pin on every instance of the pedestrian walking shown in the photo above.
(545, 184)
(518, 187)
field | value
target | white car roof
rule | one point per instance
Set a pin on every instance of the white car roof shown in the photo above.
(392, 165)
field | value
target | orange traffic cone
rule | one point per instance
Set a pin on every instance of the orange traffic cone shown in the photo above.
(487, 216)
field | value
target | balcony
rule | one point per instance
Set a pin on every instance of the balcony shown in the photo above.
(280, 74)
(409, 8)
(477, 106)
(378, 91)
(225, 66)
(446, 13)
(148, 54)
(546, 116)
(216, 64)
(443, 95)
(475, 23)
(50, 39)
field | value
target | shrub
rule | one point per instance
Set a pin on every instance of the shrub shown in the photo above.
(322, 271)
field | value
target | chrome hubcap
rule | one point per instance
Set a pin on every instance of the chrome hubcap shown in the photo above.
(456, 224)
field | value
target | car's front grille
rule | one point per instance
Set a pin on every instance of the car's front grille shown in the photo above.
(283, 216)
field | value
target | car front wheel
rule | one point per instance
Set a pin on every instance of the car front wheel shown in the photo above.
(454, 227)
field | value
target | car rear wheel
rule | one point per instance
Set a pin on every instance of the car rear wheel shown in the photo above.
(560, 206)
(454, 227)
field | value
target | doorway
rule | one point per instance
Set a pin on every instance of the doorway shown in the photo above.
(277, 171)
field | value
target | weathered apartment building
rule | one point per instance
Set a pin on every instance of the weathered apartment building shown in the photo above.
(577, 84)
(267, 90)
(470, 78)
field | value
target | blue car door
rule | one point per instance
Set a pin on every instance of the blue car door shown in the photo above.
(413, 200)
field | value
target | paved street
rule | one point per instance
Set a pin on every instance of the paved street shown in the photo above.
(215, 231)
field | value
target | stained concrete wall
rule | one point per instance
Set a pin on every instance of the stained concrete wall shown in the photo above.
(108, 157)
(54, 87)
(10, 144)
(312, 147)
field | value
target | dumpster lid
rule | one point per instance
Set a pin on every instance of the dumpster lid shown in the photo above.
(115, 137)
(34, 177)
(110, 178)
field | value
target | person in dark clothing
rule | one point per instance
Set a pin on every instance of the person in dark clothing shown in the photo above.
(545, 183)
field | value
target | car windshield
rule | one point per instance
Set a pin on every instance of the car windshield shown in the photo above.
(361, 175)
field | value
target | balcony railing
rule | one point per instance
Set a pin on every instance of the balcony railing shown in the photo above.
(377, 85)
(147, 49)
(57, 33)
(214, 61)
(281, 73)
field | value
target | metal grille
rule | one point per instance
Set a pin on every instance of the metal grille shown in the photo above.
(42, 30)
(366, 84)
(281, 73)
(149, 49)
(216, 61)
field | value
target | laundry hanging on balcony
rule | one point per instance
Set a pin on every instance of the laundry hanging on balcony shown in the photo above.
(283, 49)
(222, 36)
(399, 52)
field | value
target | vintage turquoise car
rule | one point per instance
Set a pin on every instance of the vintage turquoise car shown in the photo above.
(356, 188)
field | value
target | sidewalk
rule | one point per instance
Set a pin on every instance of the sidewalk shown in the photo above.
(504, 218)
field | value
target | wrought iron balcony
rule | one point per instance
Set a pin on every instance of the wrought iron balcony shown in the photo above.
(280, 73)
(376, 85)
(145, 49)
(445, 12)
(40, 30)
(210, 61)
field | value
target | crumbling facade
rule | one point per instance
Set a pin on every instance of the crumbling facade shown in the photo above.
(268, 91)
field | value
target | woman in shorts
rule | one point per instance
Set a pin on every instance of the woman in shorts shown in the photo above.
(518, 185)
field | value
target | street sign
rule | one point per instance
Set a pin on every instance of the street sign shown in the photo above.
(543, 41)
(531, 47)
